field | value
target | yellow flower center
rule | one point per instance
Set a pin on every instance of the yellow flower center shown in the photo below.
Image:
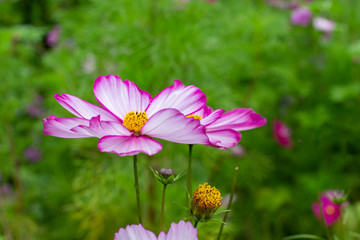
(194, 116)
(207, 196)
(330, 210)
(134, 121)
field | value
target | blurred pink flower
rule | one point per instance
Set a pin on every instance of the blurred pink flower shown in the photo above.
(223, 129)
(53, 36)
(178, 231)
(238, 151)
(89, 65)
(282, 134)
(301, 16)
(330, 210)
(130, 117)
(323, 25)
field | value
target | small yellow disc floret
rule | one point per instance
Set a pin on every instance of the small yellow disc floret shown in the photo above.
(134, 121)
(194, 116)
(207, 196)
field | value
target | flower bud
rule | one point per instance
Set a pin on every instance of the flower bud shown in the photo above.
(337, 196)
(167, 176)
(206, 200)
(166, 172)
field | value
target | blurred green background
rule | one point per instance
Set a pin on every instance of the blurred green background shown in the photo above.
(241, 53)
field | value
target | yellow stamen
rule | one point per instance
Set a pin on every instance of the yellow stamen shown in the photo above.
(134, 121)
(207, 196)
(194, 116)
(330, 210)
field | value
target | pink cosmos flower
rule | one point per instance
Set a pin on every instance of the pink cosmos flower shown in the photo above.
(178, 231)
(324, 25)
(331, 210)
(282, 134)
(130, 117)
(301, 17)
(223, 129)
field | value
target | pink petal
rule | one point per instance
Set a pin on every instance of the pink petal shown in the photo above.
(224, 139)
(129, 145)
(282, 134)
(239, 119)
(316, 210)
(182, 231)
(186, 99)
(162, 236)
(135, 232)
(171, 125)
(102, 128)
(61, 127)
(334, 214)
(204, 112)
(215, 115)
(120, 97)
(83, 109)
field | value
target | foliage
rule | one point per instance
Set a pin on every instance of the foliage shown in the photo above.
(240, 53)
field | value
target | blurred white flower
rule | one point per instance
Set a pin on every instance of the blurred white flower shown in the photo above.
(323, 25)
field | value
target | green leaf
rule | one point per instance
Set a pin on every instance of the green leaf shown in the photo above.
(354, 234)
(303, 236)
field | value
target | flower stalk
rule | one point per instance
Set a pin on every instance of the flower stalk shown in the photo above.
(196, 223)
(4, 219)
(165, 176)
(162, 208)
(137, 189)
(343, 230)
(230, 202)
(189, 179)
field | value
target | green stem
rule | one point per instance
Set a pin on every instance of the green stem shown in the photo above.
(230, 202)
(342, 223)
(189, 173)
(162, 209)
(196, 223)
(137, 188)
(4, 220)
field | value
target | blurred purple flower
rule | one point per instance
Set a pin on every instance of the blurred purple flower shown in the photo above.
(6, 189)
(293, 5)
(324, 25)
(34, 109)
(32, 154)
(301, 16)
(238, 151)
(282, 134)
(330, 210)
(283, 4)
(53, 36)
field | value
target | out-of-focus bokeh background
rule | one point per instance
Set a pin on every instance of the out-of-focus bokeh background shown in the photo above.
(296, 63)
